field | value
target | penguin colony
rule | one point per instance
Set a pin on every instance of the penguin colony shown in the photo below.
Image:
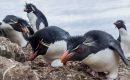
(96, 48)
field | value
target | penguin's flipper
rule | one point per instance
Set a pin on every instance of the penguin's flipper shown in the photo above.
(116, 46)
(38, 21)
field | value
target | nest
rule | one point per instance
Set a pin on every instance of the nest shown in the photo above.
(13, 66)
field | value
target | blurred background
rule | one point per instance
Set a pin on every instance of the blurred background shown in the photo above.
(75, 16)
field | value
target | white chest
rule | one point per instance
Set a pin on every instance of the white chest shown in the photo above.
(125, 42)
(55, 50)
(102, 61)
(32, 19)
(16, 37)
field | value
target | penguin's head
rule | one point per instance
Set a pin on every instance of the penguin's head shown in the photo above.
(16, 23)
(75, 49)
(30, 8)
(39, 47)
(120, 24)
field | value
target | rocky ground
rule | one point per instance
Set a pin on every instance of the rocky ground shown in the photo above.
(13, 66)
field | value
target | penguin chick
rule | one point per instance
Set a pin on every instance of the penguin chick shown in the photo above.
(98, 49)
(12, 26)
(124, 37)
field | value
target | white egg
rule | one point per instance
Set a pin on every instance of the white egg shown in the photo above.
(56, 63)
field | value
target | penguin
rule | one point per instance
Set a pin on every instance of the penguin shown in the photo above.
(124, 37)
(36, 17)
(12, 26)
(97, 49)
(49, 42)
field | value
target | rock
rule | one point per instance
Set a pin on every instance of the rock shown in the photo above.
(12, 70)
(11, 50)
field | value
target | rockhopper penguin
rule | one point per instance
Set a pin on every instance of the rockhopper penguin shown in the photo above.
(36, 17)
(124, 37)
(50, 42)
(98, 49)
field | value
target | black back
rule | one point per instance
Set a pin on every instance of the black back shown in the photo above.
(99, 40)
(49, 35)
(91, 43)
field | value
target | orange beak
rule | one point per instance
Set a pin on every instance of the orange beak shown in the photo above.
(65, 57)
(24, 30)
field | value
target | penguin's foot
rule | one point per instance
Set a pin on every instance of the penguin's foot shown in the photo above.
(93, 73)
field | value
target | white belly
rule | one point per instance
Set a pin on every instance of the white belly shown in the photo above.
(16, 37)
(13, 35)
(55, 50)
(125, 44)
(41, 26)
(32, 19)
(103, 61)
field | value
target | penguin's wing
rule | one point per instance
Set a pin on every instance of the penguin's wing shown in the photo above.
(115, 45)
(41, 18)
(38, 21)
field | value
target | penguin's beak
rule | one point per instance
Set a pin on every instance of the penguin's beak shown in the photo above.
(66, 56)
(25, 30)
(25, 10)
(115, 23)
(32, 56)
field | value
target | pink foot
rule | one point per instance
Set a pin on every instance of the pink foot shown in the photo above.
(93, 73)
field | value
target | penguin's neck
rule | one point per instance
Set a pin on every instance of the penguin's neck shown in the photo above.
(122, 31)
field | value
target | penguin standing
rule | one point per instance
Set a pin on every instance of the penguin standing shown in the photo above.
(99, 50)
(50, 42)
(36, 17)
(124, 37)
(12, 26)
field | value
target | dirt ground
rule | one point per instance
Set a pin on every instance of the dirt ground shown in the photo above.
(43, 71)
(71, 71)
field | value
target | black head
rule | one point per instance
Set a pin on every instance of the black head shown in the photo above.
(30, 8)
(73, 42)
(120, 24)
(39, 46)
(75, 49)
(17, 23)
